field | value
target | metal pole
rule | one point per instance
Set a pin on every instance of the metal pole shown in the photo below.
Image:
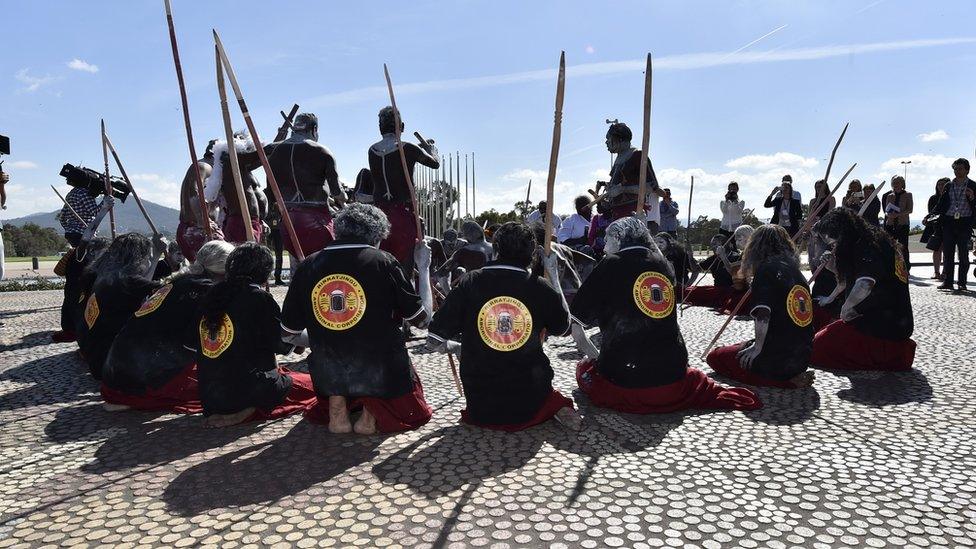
(474, 195)
(467, 209)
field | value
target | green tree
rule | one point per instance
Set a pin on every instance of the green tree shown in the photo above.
(32, 240)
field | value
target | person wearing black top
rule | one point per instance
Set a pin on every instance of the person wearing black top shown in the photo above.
(957, 208)
(782, 309)
(787, 211)
(932, 234)
(75, 262)
(502, 314)
(147, 366)
(642, 365)
(728, 284)
(873, 209)
(236, 340)
(351, 297)
(876, 322)
(682, 262)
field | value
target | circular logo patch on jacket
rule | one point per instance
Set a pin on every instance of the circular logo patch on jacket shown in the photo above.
(504, 323)
(900, 270)
(212, 347)
(338, 302)
(800, 306)
(91, 311)
(154, 301)
(654, 295)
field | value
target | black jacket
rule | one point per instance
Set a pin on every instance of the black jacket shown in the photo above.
(796, 211)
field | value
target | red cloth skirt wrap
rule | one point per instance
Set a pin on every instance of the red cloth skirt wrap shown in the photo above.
(695, 391)
(822, 317)
(180, 395)
(724, 361)
(402, 413)
(191, 238)
(841, 346)
(724, 298)
(553, 403)
(313, 227)
(300, 397)
(403, 231)
(234, 229)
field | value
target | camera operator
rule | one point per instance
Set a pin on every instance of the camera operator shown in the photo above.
(83, 202)
(4, 177)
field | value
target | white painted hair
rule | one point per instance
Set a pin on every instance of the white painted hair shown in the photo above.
(211, 187)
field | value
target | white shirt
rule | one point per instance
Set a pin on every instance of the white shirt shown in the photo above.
(536, 215)
(573, 226)
(731, 213)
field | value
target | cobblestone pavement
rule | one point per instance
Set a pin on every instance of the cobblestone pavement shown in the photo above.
(862, 459)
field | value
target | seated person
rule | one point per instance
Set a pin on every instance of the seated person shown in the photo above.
(729, 285)
(876, 321)
(236, 341)
(501, 312)
(681, 260)
(73, 267)
(642, 366)
(783, 312)
(170, 263)
(147, 366)
(350, 297)
(565, 261)
(573, 230)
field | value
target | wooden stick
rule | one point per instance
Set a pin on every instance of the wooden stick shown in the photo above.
(528, 193)
(235, 166)
(454, 371)
(269, 175)
(646, 142)
(108, 182)
(864, 207)
(684, 289)
(554, 153)
(78, 217)
(204, 219)
(118, 162)
(286, 123)
(403, 155)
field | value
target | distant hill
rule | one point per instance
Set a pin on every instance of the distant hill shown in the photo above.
(128, 218)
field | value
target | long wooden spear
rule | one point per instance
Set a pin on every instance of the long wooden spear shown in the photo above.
(272, 182)
(286, 122)
(204, 219)
(78, 217)
(691, 194)
(557, 125)
(403, 156)
(528, 193)
(646, 142)
(125, 177)
(108, 182)
(235, 166)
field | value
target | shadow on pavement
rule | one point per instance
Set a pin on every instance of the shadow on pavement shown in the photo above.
(49, 380)
(886, 388)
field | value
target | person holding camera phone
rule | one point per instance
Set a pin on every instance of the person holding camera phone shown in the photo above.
(787, 210)
(732, 209)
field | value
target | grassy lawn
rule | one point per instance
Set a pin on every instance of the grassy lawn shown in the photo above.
(27, 259)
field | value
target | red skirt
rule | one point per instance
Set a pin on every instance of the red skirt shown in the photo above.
(695, 391)
(403, 231)
(234, 229)
(313, 227)
(300, 397)
(841, 346)
(191, 238)
(822, 317)
(724, 298)
(553, 403)
(402, 413)
(724, 361)
(180, 395)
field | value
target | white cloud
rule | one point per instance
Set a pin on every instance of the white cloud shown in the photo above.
(937, 135)
(780, 160)
(157, 188)
(33, 83)
(590, 49)
(84, 66)
(923, 172)
(524, 174)
(23, 165)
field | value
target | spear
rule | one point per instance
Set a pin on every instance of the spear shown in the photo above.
(260, 150)
(204, 211)
(457, 167)
(474, 195)
(118, 162)
(83, 223)
(235, 166)
(467, 209)
(286, 122)
(554, 153)
(528, 193)
(691, 193)
(646, 142)
(403, 155)
(108, 183)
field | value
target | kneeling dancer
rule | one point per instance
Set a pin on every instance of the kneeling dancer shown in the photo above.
(642, 366)
(783, 312)
(147, 367)
(876, 323)
(501, 313)
(236, 342)
(350, 298)
(724, 265)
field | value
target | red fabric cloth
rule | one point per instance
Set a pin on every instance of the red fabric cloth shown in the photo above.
(840, 346)
(300, 397)
(313, 227)
(191, 238)
(180, 395)
(403, 231)
(724, 298)
(402, 413)
(695, 391)
(724, 361)
(234, 229)
(626, 210)
(822, 317)
(552, 404)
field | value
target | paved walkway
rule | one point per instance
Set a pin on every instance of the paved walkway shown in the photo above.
(857, 460)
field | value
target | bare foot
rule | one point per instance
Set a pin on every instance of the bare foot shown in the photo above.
(569, 419)
(110, 407)
(804, 379)
(226, 420)
(366, 424)
(339, 415)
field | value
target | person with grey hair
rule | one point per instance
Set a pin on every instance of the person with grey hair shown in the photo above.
(473, 255)
(147, 366)
(642, 365)
(346, 303)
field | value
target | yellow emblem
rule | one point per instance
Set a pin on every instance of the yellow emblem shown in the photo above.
(154, 301)
(91, 311)
(213, 347)
(900, 270)
(504, 323)
(800, 306)
(654, 295)
(338, 302)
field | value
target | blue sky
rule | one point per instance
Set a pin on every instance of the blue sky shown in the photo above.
(745, 90)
